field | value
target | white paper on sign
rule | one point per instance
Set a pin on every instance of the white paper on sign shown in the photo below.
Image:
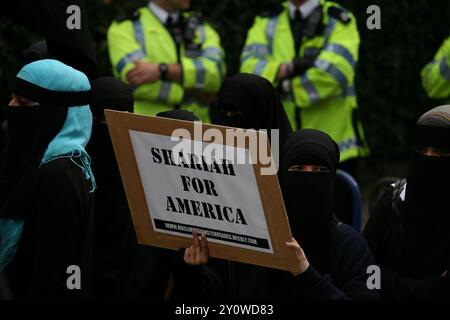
(226, 205)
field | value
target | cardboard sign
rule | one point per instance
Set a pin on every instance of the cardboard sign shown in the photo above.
(174, 185)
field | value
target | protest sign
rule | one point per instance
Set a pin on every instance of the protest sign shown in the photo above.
(180, 175)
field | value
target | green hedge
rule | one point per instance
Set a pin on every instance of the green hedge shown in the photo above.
(388, 78)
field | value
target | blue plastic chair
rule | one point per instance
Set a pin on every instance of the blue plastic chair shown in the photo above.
(355, 192)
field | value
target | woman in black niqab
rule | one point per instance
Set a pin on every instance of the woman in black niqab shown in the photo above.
(337, 256)
(47, 183)
(426, 217)
(309, 196)
(249, 101)
(408, 230)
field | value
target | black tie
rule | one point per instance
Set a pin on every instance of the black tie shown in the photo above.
(296, 25)
(176, 32)
(169, 22)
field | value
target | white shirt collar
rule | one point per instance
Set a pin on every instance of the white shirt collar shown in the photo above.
(403, 194)
(305, 9)
(161, 13)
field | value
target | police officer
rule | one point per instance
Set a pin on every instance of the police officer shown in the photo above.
(436, 74)
(172, 59)
(308, 49)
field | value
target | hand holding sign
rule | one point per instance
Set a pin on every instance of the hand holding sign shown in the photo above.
(300, 254)
(198, 253)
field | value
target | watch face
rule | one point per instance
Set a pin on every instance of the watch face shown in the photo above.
(163, 67)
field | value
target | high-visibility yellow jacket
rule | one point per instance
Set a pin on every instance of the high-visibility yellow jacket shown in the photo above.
(436, 74)
(145, 38)
(323, 97)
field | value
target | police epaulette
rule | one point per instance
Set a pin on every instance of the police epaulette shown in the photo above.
(273, 11)
(340, 14)
(132, 15)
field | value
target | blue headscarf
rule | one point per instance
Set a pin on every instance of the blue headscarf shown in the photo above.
(69, 143)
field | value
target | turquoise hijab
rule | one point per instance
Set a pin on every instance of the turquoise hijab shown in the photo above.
(69, 143)
(73, 137)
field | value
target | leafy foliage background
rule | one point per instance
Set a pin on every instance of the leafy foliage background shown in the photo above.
(389, 87)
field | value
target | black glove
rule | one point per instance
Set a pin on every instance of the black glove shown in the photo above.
(300, 65)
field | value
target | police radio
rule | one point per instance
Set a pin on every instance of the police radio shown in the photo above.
(192, 49)
(193, 22)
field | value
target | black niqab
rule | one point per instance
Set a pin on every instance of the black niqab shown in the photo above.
(309, 196)
(425, 216)
(30, 130)
(249, 101)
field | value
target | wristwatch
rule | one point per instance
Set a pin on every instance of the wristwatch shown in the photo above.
(163, 69)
